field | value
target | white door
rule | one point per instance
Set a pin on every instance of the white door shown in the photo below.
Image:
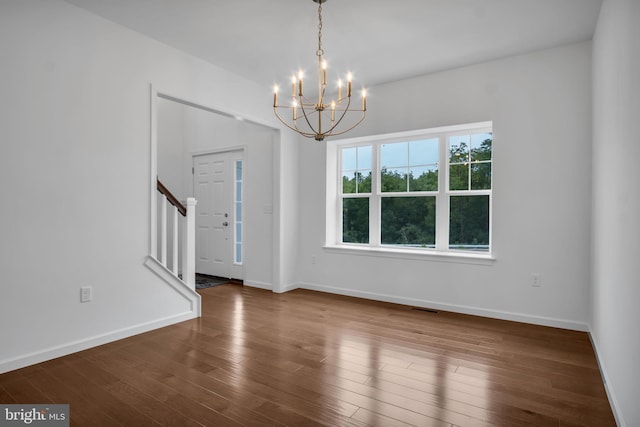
(218, 190)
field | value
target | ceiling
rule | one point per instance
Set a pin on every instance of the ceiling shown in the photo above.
(379, 41)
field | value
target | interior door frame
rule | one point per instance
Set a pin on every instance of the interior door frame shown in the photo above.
(196, 101)
(242, 149)
(154, 94)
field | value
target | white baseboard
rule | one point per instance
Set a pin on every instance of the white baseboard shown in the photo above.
(75, 346)
(258, 284)
(610, 394)
(476, 311)
(269, 286)
(287, 288)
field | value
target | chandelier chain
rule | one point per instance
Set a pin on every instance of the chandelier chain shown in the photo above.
(320, 52)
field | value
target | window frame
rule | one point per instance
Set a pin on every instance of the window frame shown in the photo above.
(442, 196)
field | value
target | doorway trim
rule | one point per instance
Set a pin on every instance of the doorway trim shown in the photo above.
(242, 149)
(154, 94)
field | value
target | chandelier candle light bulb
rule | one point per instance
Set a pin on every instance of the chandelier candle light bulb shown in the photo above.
(300, 76)
(311, 124)
(324, 73)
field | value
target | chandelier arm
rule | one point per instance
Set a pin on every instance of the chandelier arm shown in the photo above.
(344, 113)
(295, 129)
(304, 113)
(308, 102)
(331, 133)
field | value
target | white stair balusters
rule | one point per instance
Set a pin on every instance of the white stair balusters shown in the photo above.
(163, 229)
(189, 245)
(177, 234)
(174, 240)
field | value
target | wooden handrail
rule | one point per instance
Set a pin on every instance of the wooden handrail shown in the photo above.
(172, 199)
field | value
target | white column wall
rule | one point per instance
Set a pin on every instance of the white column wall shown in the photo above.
(615, 323)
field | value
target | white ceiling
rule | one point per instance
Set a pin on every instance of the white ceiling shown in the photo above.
(380, 41)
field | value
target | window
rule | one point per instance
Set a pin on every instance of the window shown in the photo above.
(470, 190)
(356, 187)
(428, 190)
(237, 229)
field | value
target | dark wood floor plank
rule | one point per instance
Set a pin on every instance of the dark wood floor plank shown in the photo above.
(64, 370)
(22, 391)
(245, 401)
(143, 375)
(137, 398)
(5, 397)
(305, 358)
(84, 411)
(374, 419)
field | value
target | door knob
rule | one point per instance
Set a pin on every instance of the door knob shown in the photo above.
(225, 223)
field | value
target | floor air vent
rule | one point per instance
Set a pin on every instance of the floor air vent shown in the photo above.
(428, 310)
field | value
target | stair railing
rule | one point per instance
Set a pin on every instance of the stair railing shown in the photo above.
(170, 225)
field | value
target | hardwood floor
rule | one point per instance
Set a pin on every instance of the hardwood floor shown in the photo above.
(305, 358)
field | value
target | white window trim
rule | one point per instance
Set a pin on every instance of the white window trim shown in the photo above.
(333, 229)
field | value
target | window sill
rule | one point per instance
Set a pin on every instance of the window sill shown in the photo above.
(413, 254)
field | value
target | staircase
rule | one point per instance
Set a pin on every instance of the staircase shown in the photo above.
(173, 248)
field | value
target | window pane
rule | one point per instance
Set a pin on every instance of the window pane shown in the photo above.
(459, 177)
(349, 159)
(394, 155)
(423, 178)
(356, 182)
(238, 170)
(349, 182)
(409, 221)
(459, 149)
(393, 180)
(239, 211)
(481, 176)
(469, 223)
(364, 181)
(364, 157)
(424, 152)
(238, 253)
(238, 232)
(356, 169)
(481, 146)
(355, 220)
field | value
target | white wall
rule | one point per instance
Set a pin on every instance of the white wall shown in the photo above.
(616, 204)
(540, 105)
(173, 158)
(75, 175)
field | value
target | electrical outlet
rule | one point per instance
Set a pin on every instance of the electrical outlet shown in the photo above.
(85, 294)
(313, 259)
(536, 282)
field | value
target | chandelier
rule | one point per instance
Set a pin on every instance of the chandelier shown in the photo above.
(319, 119)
